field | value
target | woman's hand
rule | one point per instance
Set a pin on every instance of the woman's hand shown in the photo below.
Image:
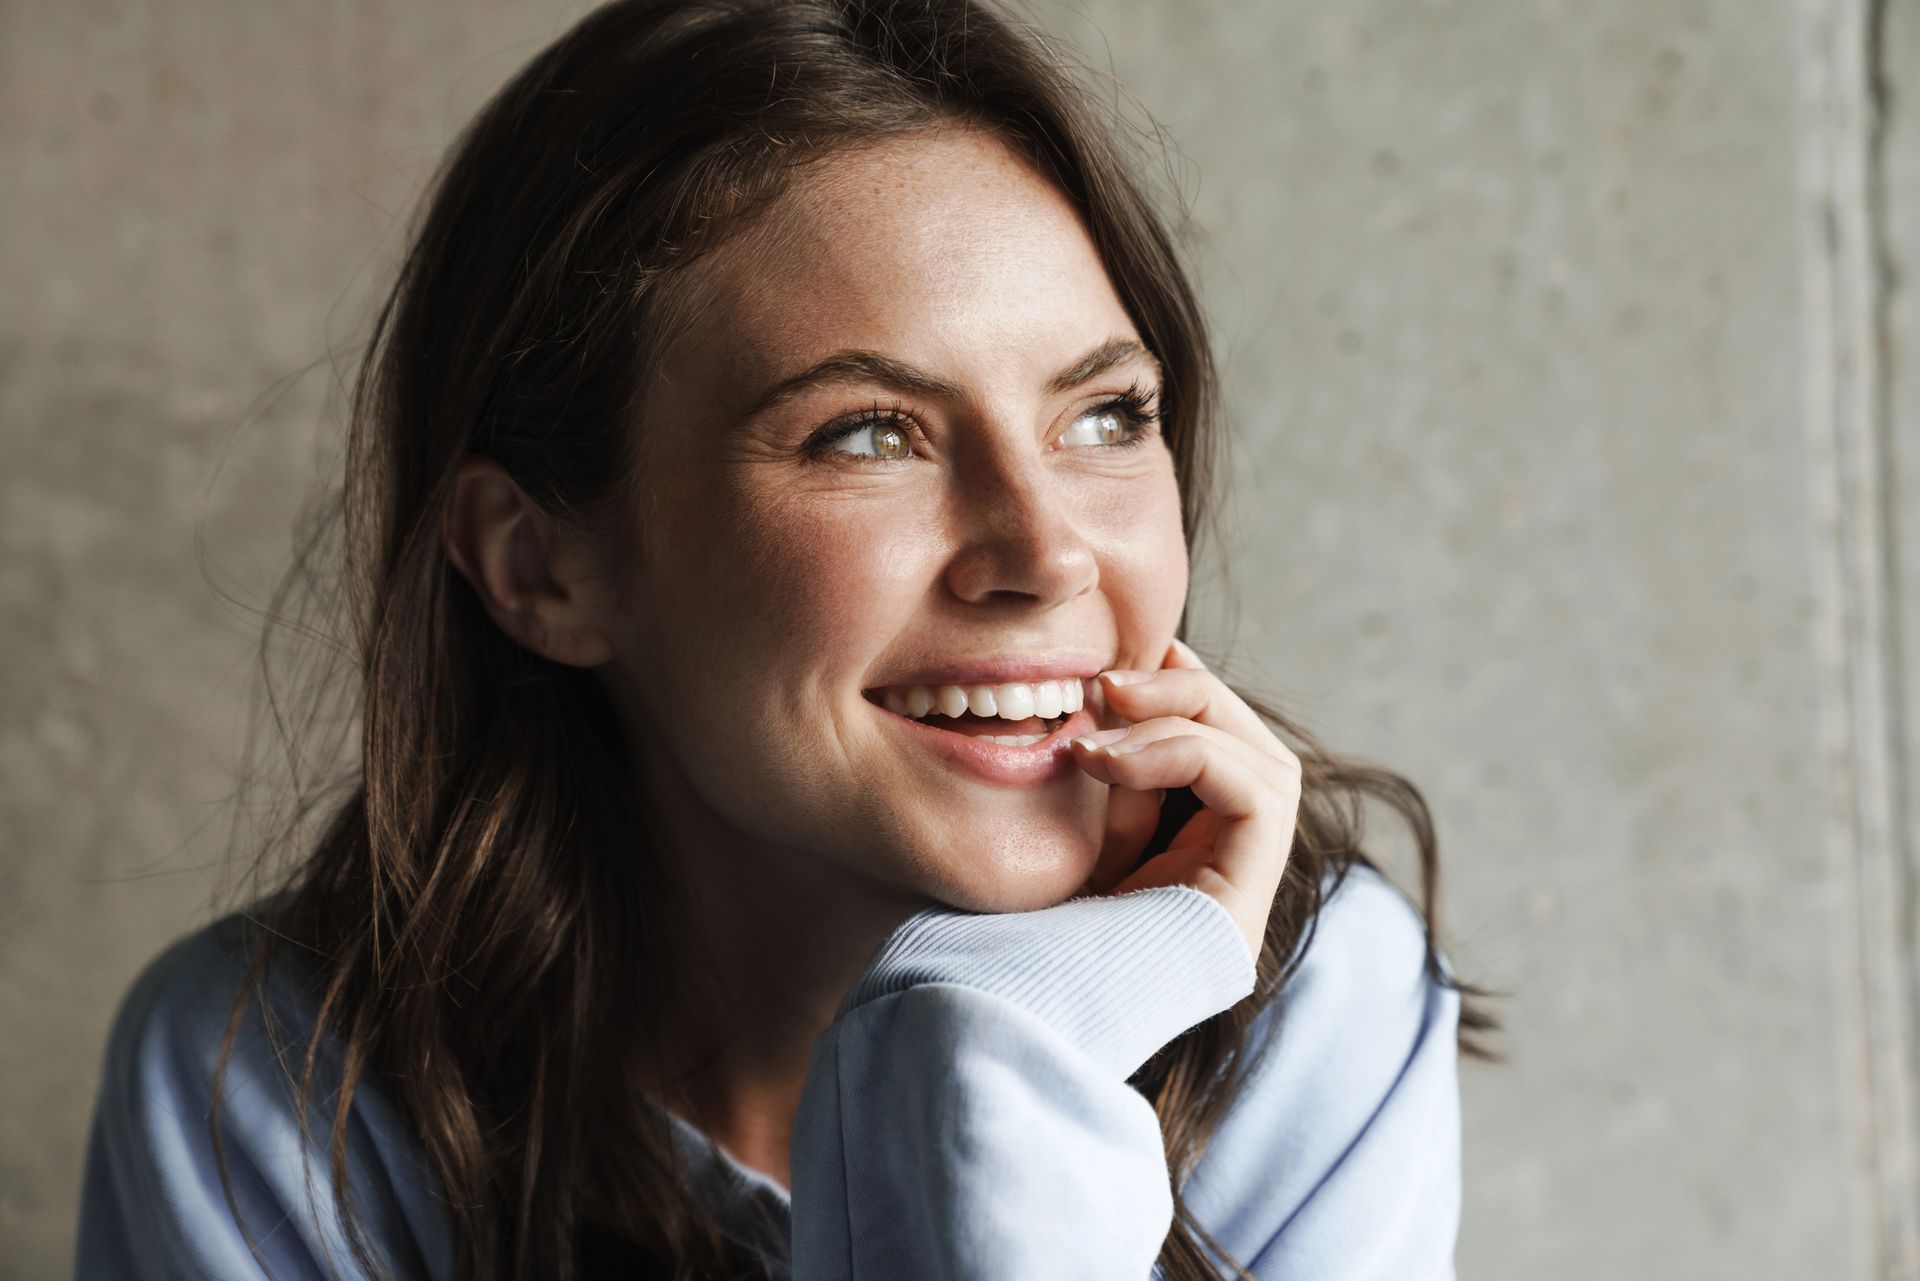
(1190, 730)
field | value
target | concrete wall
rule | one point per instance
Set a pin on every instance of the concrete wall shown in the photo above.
(1575, 384)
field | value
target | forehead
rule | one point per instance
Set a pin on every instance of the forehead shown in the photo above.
(946, 249)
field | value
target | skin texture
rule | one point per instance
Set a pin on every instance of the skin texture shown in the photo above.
(765, 589)
(817, 579)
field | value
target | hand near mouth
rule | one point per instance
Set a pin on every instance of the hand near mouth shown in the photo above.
(1190, 730)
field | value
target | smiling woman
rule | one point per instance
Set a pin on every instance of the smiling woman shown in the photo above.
(789, 837)
(925, 505)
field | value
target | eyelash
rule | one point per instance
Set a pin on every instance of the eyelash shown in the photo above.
(1138, 408)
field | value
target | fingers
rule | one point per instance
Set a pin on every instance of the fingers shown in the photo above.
(1272, 764)
(1189, 730)
(1180, 654)
(1131, 819)
(1170, 752)
(1194, 693)
(1258, 808)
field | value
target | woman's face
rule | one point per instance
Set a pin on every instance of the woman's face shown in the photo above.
(885, 458)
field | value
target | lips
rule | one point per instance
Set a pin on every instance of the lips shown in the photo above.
(949, 711)
(1003, 764)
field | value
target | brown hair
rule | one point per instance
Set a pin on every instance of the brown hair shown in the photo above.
(458, 863)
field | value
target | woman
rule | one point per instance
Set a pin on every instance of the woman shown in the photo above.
(788, 837)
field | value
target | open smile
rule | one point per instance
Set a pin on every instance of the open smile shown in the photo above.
(1013, 733)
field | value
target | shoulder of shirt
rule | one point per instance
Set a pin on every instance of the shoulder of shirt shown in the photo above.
(1368, 931)
(174, 1016)
(1359, 1020)
(157, 1182)
(1361, 986)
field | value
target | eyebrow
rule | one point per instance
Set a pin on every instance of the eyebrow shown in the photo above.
(871, 366)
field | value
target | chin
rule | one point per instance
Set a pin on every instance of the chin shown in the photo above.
(1011, 871)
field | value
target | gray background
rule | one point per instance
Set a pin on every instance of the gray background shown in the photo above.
(1572, 357)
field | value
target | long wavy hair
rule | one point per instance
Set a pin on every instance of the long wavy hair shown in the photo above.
(445, 885)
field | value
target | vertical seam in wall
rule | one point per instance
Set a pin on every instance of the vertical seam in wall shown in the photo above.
(1885, 281)
(1846, 277)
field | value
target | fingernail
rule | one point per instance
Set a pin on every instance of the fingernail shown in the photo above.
(1121, 749)
(1126, 676)
(1186, 651)
(1101, 737)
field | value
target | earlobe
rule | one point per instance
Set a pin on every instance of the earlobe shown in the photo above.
(506, 547)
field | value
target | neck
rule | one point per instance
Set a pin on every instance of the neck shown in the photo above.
(782, 935)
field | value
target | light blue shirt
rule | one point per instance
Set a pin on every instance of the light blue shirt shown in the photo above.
(966, 1115)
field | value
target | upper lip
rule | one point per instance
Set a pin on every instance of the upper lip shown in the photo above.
(1000, 669)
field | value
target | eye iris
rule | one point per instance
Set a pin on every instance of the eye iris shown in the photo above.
(1111, 430)
(890, 442)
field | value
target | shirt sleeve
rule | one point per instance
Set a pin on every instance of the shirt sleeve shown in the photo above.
(1339, 1158)
(152, 1204)
(967, 1114)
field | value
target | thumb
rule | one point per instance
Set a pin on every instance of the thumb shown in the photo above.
(1132, 817)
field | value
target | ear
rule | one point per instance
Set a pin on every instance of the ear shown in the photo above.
(533, 577)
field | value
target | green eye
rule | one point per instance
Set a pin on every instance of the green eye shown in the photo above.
(1120, 422)
(1103, 426)
(885, 440)
(886, 436)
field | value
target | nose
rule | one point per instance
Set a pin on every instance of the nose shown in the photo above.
(1018, 539)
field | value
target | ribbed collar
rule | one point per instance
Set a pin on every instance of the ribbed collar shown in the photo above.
(753, 1208)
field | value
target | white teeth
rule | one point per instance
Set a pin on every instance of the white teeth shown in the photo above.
(1014, 740)
(1014, 701)
(1046, 699)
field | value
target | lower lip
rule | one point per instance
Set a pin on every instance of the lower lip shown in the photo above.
(1003, 763)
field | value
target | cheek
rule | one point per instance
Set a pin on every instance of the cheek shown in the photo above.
(1143, 554)
(758, 582)
(761, 638)
(831, 579)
